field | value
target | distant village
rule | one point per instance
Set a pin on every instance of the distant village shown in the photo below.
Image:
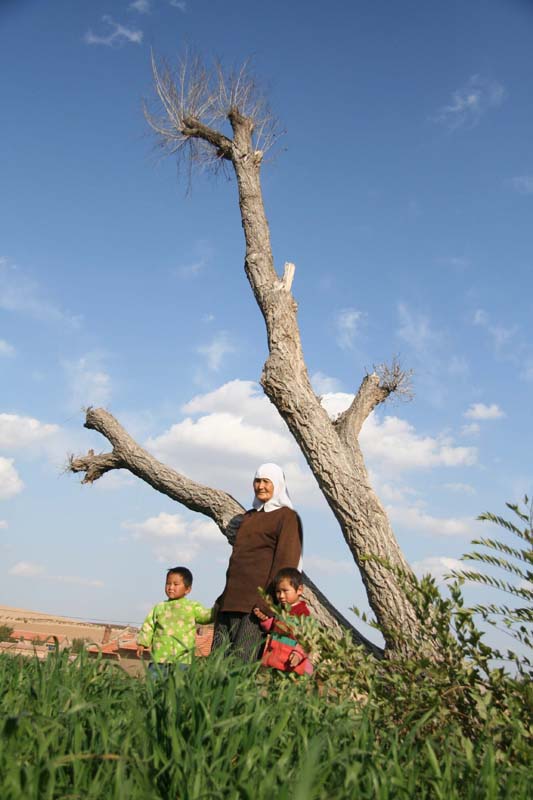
(33, 634)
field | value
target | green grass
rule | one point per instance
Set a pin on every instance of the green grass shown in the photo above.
(87, 730)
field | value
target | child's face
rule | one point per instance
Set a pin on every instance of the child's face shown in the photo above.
(286, 593)
(175, 588)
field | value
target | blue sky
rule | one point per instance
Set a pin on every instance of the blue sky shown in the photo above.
(402, 190)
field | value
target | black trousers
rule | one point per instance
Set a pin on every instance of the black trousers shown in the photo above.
(241, 630)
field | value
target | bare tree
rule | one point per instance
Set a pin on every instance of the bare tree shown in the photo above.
(212, 120)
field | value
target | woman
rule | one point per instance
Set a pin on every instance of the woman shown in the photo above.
(269, 538)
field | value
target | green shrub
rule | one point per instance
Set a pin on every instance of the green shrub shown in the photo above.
(5, 633)
(78, 644)
(453, 687)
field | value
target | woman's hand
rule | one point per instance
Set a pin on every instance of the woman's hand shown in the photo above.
(140, 650)
(259, 614)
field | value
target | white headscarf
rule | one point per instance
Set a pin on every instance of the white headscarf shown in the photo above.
(281, 496)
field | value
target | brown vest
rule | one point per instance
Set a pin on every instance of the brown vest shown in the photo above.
(266, 542)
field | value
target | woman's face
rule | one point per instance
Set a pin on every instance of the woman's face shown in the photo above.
(264, 489)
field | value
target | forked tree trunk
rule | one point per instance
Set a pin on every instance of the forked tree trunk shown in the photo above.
(331, 448)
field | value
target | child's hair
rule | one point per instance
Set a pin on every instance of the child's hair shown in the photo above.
(185, 573)
(294, 576)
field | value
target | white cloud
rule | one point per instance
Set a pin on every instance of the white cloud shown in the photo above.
(17, 432)
(32, 438)
(162, 526)
(29, 569)
(244, 399)
(481, 411)
(328, 566)
(336, 402)
(118, 35)
(302, 484)
(415, 329)
(142, 6)
(394, 443)
(509, 344)
(223, 433)
(175, 538)
(18, 293)
(414, 518)
(523, 184)
(463, 488)
(324, 384)
(117, 479)
(214, 352)
(470, 430)
(6, 349)
(430, 353)
(347, 324)
(88, 383)
(192, 269)
(527, 370)
(500, 335)
(10, 482)
(181, 4)
(389, 492)
(238, 429)
(26, 569)
(437, 566)
(470, 103)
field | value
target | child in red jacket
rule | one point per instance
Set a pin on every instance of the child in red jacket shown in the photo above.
(282, 650)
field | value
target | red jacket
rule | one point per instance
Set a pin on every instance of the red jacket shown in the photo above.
(281, 644)
(274, 625)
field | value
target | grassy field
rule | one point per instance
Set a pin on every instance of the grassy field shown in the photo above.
(221, 730)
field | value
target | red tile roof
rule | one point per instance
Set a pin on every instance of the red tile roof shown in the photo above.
(128, 645)
(30, 636)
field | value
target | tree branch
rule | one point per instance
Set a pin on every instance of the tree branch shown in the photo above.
(370, 395)
(220, 506)
(94, 466)
(195, 129)
(375, 389)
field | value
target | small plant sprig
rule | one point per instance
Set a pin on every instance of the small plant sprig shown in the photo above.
(516, 561)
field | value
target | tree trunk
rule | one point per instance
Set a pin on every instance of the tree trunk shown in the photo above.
(331, 450)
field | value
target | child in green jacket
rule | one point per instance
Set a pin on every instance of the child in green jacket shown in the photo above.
(169, 630)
